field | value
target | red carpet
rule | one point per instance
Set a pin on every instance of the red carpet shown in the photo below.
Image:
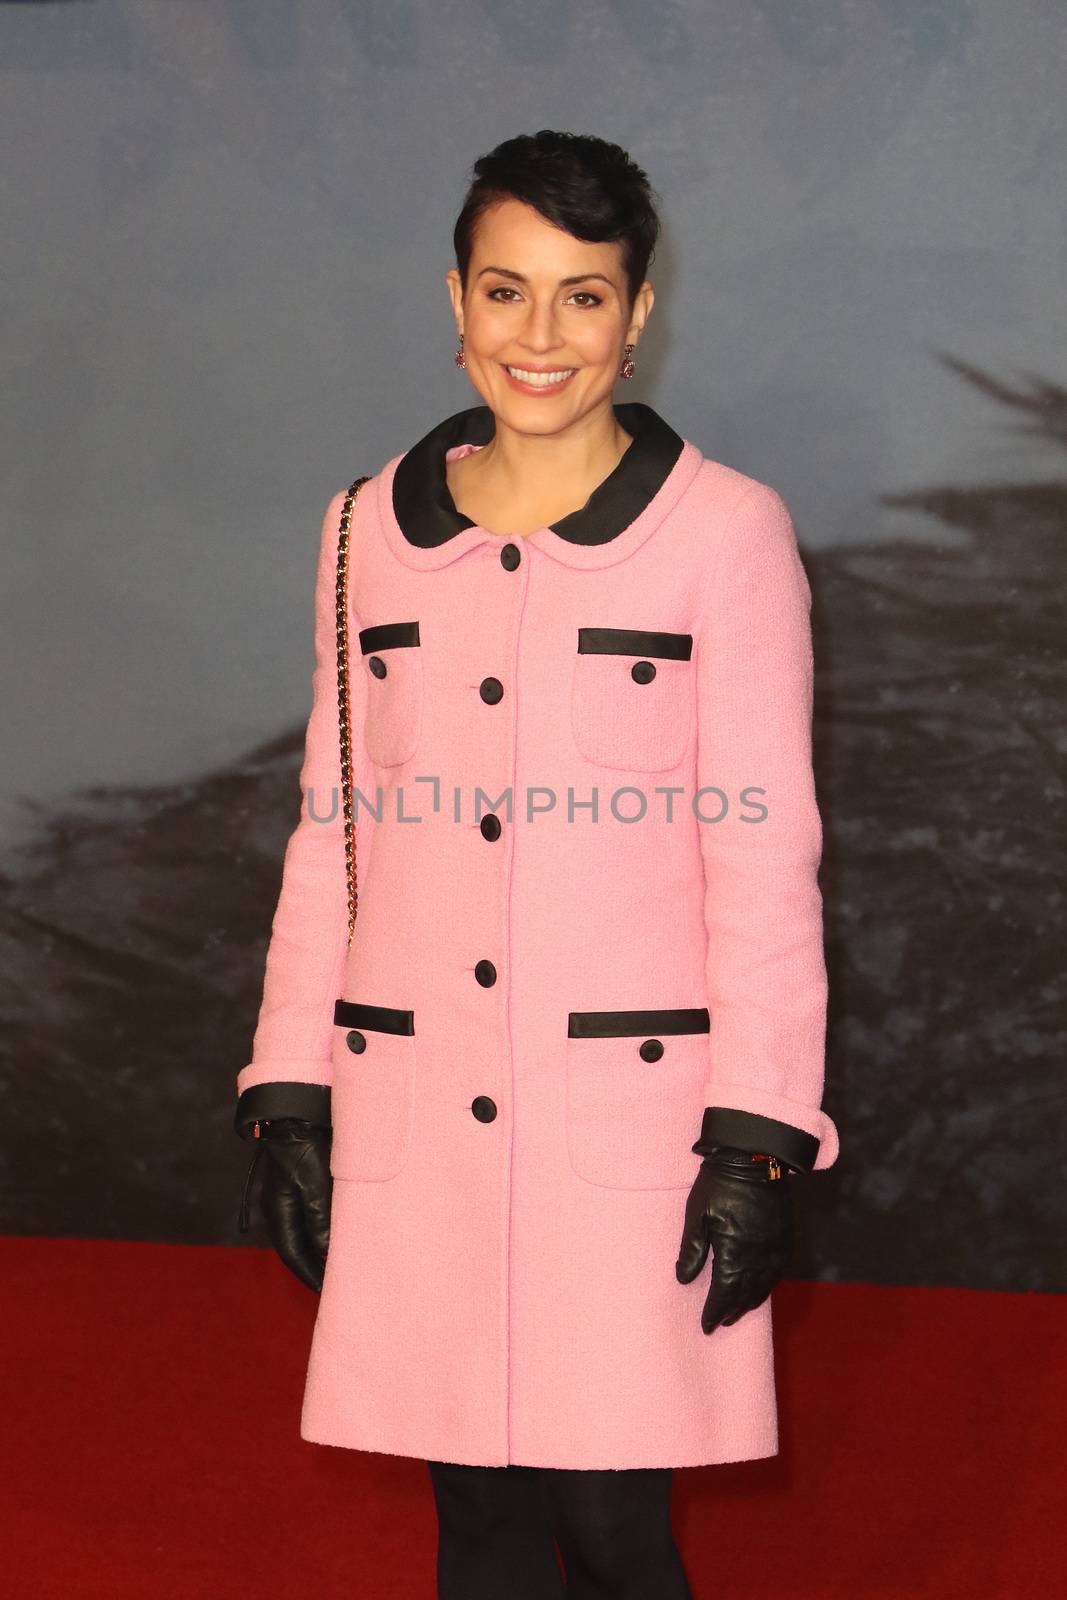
(153, 1457)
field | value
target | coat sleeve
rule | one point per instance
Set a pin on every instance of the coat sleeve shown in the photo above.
(766, 970)
(291, 1068)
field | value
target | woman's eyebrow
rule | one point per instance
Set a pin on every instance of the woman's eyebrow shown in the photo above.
(519, 277)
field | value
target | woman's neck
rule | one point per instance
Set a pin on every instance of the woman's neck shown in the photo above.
(520, 482)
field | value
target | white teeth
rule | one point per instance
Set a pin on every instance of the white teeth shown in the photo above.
(542, 380)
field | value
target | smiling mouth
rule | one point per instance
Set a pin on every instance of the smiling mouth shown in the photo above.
(540, 380)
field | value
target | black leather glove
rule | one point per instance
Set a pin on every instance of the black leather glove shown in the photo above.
(746, 1217)
(296, 1193)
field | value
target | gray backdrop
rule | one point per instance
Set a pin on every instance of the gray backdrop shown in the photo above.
(225, 233)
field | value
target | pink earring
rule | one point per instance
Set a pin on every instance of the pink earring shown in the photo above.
(461, 360)
(628, 368)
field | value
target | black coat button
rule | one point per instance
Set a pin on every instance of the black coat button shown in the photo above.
(355, 1041)
(651, 1050)
(491, 690)
(642, 672)
(485, 972)
(484, 1108)
(510, 557)
(377, 666)
(490, 826)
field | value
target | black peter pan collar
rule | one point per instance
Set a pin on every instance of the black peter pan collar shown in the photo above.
(427, 514)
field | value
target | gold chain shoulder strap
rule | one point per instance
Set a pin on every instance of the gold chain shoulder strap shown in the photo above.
(343, 700)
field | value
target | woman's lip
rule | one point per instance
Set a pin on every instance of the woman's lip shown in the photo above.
(533, 388)
(531, 366)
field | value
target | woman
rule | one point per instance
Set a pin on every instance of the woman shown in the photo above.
(589, 929)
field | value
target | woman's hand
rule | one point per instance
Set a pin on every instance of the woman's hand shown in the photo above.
(296, 1194)
(746, 1218)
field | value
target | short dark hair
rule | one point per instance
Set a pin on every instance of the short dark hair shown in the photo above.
(582, 184)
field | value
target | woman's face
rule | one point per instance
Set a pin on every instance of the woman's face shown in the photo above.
(539, 300)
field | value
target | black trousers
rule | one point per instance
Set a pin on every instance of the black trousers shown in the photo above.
(496, 1527)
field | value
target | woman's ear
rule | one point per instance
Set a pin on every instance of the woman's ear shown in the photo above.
(644, 300)
(455, 290)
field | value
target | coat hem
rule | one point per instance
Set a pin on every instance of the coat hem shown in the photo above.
(534, 1458)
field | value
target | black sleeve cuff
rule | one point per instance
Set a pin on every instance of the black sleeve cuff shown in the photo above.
(747, 1130)
(310, 1101)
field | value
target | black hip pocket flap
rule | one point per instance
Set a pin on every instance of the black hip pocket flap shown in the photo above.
(388, 636)
(377, 1019)
(635, 642)
(626, 1024)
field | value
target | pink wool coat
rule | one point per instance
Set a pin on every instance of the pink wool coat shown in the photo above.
(588, 923)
